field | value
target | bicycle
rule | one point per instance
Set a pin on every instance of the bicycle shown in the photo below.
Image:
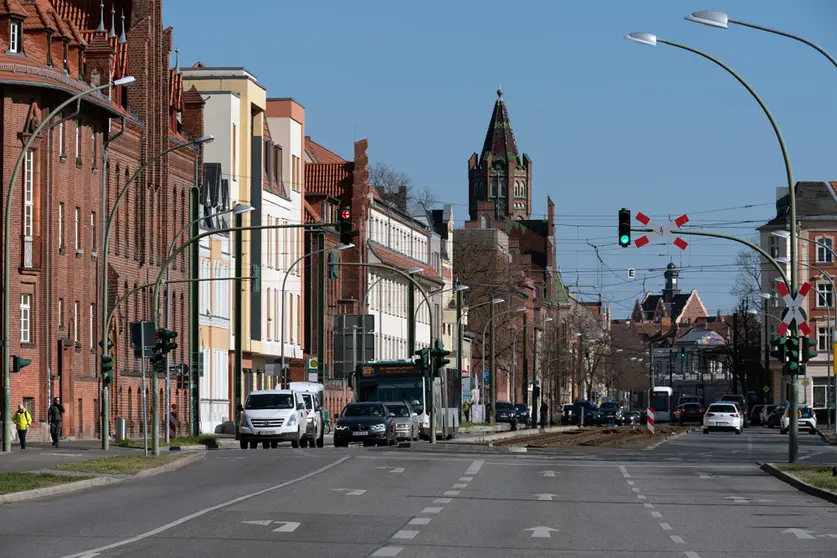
(327, 427)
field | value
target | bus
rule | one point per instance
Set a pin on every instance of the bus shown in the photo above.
(404, 381)
(660, 399)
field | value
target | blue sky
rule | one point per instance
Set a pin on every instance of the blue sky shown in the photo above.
(607, 123)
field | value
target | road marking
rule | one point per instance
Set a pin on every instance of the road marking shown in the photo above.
(461, 485)
(665, 526)
(419, 521)
(451, 493)
(641, 497)
(705, 476)
(635, 489)
(656, 514)
(387, 551)
(403, 534)
(545, 496)
(443, 500)
(691, 555)
(475, 467)
(548, 473)
(749, 443)
(737, 499)
(287, 527)
(800, 533)
(677, 539)
(431, 510)
(205, 511)
(262, 522)
(624, 471)
(351, 491)
(397, 470)
(466, 479)
(541, 532)
(631, 483)
(647, 505)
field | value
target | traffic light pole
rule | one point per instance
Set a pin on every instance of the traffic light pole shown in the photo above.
(237, 319)
(321, 327)
(194, 325)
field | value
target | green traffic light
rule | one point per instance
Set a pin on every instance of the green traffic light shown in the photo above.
(624, 239)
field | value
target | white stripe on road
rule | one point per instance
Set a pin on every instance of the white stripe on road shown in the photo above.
(451, 493)
(635, 489)
(419, 521)
(630, 483)
(665, 526)
(691, 555)
(641, 497)
(431, 510)
(403, 534)
(475, 467)
(443, 500)
(678, 539)
(624, 471)
(461, 485)
(647, 505)
(205, 511)
(656, 514)
(466, 479)
(387, 551)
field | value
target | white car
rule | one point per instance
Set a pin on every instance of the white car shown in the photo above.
(806, 419)
(272, 416)
(723, 416)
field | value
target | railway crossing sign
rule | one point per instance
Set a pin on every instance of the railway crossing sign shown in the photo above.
(662, 230)
(793, 312)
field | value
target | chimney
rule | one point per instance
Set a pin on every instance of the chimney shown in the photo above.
(401, 199)
(193, 104)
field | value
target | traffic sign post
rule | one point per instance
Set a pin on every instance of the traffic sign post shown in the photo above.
(662, 230)
(793, 312)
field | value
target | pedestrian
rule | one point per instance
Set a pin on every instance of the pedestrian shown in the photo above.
(466, 408)
(22, 420)
(55, 420)
(544, 414)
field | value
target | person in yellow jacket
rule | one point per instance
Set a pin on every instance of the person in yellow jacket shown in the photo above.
(22, 420)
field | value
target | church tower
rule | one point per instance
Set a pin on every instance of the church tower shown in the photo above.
(499, 179)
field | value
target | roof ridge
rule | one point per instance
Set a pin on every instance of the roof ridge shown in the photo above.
(308, 140)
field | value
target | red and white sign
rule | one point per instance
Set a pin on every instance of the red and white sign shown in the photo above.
(650, 420)
(663, 231)
(793, 312)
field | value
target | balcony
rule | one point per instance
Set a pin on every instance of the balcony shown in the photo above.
(30, 252)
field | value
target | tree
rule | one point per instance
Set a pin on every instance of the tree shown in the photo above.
(747, 285)
(397, 188)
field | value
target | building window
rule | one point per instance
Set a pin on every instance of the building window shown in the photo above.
(92, 231)
(824, 295)
(75, 321)
(78, 138)
(28, 194)
(25, 318)
(93, 146)
(14, 37)
(824, 247)
(61, 139)
(824, 339)
(66, 58)
(90, 325)
(61, 227)
(60, 312)
(774, 246)
(76, 230)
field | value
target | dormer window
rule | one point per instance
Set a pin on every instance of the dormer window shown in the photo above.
(49, 50)
(15, 38)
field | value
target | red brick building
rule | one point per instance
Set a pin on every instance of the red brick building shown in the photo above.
(53, 50)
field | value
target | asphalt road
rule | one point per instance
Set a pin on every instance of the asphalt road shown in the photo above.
(414, 503)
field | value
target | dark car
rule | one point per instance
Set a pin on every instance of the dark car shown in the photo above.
(755, 414)
(741, 401)
(690, 412)
(584, 410)
(567, 414)
(523, 415)
(630, 418)
(775, 418)
(505, 412)
(370, 423)
(610, 412)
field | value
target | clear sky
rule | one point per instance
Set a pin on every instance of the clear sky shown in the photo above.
(608, 123)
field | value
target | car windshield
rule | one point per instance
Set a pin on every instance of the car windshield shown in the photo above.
(779, 411)
(521, 407)
(363, 411)
(692, 406)
(723, 409)
(610, 406)
(399, 409)
(269, 401)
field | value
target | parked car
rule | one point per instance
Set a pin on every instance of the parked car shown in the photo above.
(775, 418)
(505, 412)
(585, 410)
(312, 394)
(567, 415)
(630, 418)
(766, 412)
(806, 419)
(755, 414)
(610, 412)
(523, 416)
(405, 419)
(690, 412)
(370, 423)
(723, 416)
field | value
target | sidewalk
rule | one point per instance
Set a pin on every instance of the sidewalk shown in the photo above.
(41, 455)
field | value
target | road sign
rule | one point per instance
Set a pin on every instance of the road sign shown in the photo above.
(485, 378)
(662, 230)
(313, 363)
(766, 389)
(793, 312)
(631, 273)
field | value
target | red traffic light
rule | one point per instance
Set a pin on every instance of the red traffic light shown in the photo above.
(346, 214)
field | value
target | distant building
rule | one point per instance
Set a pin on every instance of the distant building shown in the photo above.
(670, 308)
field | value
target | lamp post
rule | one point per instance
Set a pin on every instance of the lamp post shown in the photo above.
(493, 301)
(104, 282)
(411, 271)
(340, 247)
(193, 374)
(7, 391)
(492, 389)
(545, 320)
(652, 40)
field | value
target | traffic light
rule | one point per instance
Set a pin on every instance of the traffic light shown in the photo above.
(778, 349)
(793, 356)
(333, 265)
(682, 352)
(424, 358)
(346, 225)
(624, 227)
(107, 369)
(164, 345)
(18, 363)
(809, 349)
(439, 353)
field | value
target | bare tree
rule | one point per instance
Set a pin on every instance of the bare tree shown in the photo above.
(397, 188)
(748, 282)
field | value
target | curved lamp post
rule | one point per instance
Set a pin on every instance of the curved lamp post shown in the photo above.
(411, 271)
(7, 392)
(491, 373)
(652, 40)
(492, 301)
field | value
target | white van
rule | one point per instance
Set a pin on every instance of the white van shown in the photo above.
(313, 395)
(272, 416)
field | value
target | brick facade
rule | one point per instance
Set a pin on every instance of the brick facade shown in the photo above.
(60, 278)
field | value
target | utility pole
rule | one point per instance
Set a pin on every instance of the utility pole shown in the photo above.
(321, 327)
(237, 319)
(411, 319)
(526, 358)
(459, 333)
(492, 377)
(194, 304)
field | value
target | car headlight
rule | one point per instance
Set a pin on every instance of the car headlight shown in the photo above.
(425, 425)
(291, 421)
(342, 427)
(378, 427)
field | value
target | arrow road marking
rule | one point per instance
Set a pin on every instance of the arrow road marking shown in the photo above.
(548, 473)
(541, 532)
(705, 475)
(545, 497)
(397, 470)
(262, 522)
(800, 533)
(287, 527)
(351, 491)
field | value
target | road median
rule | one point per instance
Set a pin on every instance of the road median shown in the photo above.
(815, 480)
(71, 477)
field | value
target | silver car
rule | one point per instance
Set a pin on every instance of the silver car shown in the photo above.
(406, 420)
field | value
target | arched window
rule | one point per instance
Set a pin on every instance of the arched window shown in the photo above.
(183, 213)
(484, 221)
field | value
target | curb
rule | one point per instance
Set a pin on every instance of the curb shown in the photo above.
(803, 486)
(96, 481)
(824, 437)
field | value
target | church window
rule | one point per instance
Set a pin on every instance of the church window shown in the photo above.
(494, 185)
(484, 221)
(502, 187)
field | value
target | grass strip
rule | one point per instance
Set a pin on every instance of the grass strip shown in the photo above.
(18, 482)
(818, 476)
(119, 464)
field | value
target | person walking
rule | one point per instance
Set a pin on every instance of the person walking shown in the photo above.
(22, 420)
(55, 420)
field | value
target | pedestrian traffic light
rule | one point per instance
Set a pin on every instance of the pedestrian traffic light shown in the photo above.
(346, 226)
(793, 356)
(424, 358)
(778, 349)
(809, 349)
(624, 227)
(682, 352)
(439, 353)
(107, 369)
(333, 265)
(19, 363)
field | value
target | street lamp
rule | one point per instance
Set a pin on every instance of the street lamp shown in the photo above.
(7, 390)
(491, 371)
(459, 336)
(652, 40)
(411, 271)
(340, 248)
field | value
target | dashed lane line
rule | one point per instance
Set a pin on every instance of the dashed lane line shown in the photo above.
(387, 551)
(677, 539)
(665, 526)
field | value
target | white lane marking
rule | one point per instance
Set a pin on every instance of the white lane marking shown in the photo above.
(631, 483)
(397, 470)
(677, 539)
(641, 497)
(692, 555)
(749, 443)
(656, 514)
(451, 493)
(624, 471)
(443, 500)
(262, 522)
(665, 526)
(466, 479)
(205, 511)
(431, 509)
(286, 527)
(387, 551)
(635, 489)
(351, 491)
(475, 467)
(461, 485)
(419, 521)
(647, 505)
(404, 534)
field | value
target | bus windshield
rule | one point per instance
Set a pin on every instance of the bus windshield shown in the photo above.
(391, 390)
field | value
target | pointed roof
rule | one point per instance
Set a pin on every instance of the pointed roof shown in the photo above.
(499, 139)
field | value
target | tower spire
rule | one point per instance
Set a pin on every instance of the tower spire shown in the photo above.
(112, 33)
(122, 38)
(499, 139)
(101, 27)
(177, 61)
